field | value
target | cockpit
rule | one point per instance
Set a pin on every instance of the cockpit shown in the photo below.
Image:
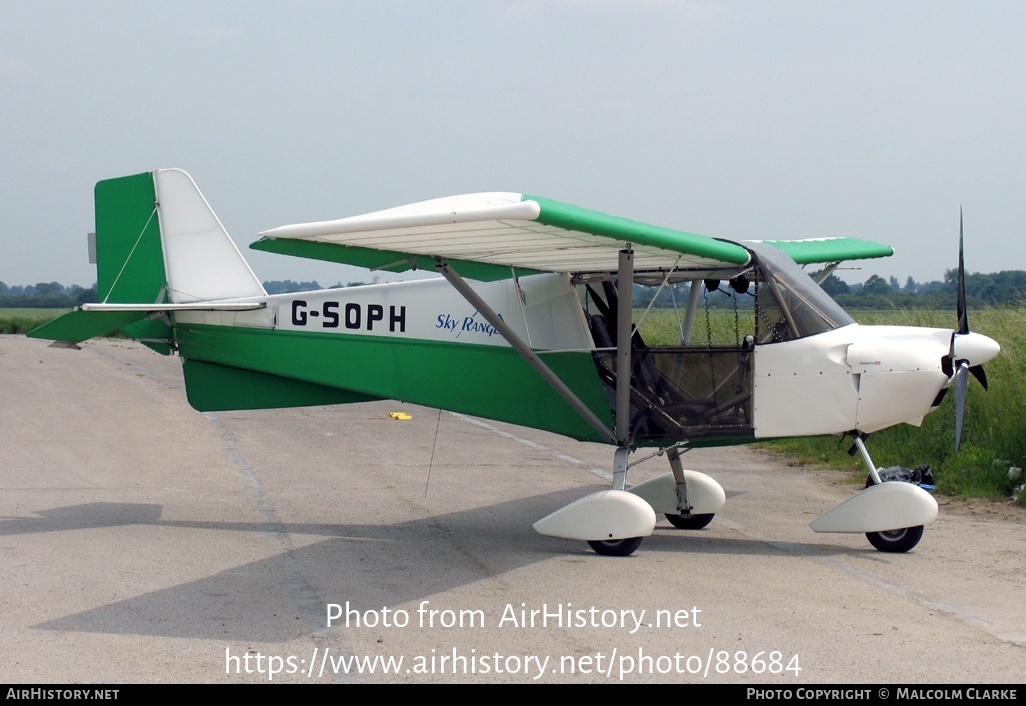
(698, 388)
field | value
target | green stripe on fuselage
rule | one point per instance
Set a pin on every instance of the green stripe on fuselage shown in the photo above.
(216, 388)
(486, 381)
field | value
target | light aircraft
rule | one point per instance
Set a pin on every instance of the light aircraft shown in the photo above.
(531, 323)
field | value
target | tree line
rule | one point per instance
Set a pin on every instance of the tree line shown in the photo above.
(45, 295)
(1000, 289)
(1005, 288)
(54, 295)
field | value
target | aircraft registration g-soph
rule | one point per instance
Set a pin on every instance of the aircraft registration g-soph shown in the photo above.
(543, 337)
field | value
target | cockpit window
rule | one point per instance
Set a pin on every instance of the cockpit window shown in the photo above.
(789, 304)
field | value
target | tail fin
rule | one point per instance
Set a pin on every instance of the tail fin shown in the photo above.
(201, 261)
(158, 242)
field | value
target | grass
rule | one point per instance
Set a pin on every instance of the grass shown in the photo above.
(24, 320)
(993, 438)
(660, 327)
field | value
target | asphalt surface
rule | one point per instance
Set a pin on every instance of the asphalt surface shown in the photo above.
(141, 541)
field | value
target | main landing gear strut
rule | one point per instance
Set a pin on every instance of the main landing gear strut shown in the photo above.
(688, 499)
(614, 522)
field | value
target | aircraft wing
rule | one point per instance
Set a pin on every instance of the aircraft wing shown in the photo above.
(485, 235)
(488, 235)
(824, 250)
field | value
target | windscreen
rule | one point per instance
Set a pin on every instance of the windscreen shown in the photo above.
(789, 303)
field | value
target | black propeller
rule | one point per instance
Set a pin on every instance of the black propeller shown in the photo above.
(961, 368)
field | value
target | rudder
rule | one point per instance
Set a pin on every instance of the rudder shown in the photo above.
(129, 254)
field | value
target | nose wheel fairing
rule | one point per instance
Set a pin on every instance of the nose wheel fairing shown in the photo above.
(880, 508)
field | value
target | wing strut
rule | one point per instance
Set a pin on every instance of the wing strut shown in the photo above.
(532, 359)
(624, 332)
(694, 295)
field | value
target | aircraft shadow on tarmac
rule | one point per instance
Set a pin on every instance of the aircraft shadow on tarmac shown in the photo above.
(370, 565)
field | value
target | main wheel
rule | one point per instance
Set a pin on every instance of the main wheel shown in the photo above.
(616, 547)
(695, 522)
(899, 540)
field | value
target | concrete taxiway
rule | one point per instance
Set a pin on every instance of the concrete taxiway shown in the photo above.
(141, 541)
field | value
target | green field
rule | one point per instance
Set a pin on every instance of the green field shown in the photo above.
(24, 320)
(993, 438)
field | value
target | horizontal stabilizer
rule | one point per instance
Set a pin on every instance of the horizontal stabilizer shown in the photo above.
(79, 325)
(190, 306)
(217, 388)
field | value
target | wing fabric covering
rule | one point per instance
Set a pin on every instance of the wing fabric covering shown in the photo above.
(484, 235)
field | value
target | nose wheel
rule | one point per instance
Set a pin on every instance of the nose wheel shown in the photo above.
(896, 541)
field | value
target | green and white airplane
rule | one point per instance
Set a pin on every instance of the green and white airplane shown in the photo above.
(531, 323)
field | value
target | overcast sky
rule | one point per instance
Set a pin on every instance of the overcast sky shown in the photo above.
(743, 120)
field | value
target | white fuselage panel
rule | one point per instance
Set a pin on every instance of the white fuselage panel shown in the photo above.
(804, 387)
(545, 312)
(855, 377)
